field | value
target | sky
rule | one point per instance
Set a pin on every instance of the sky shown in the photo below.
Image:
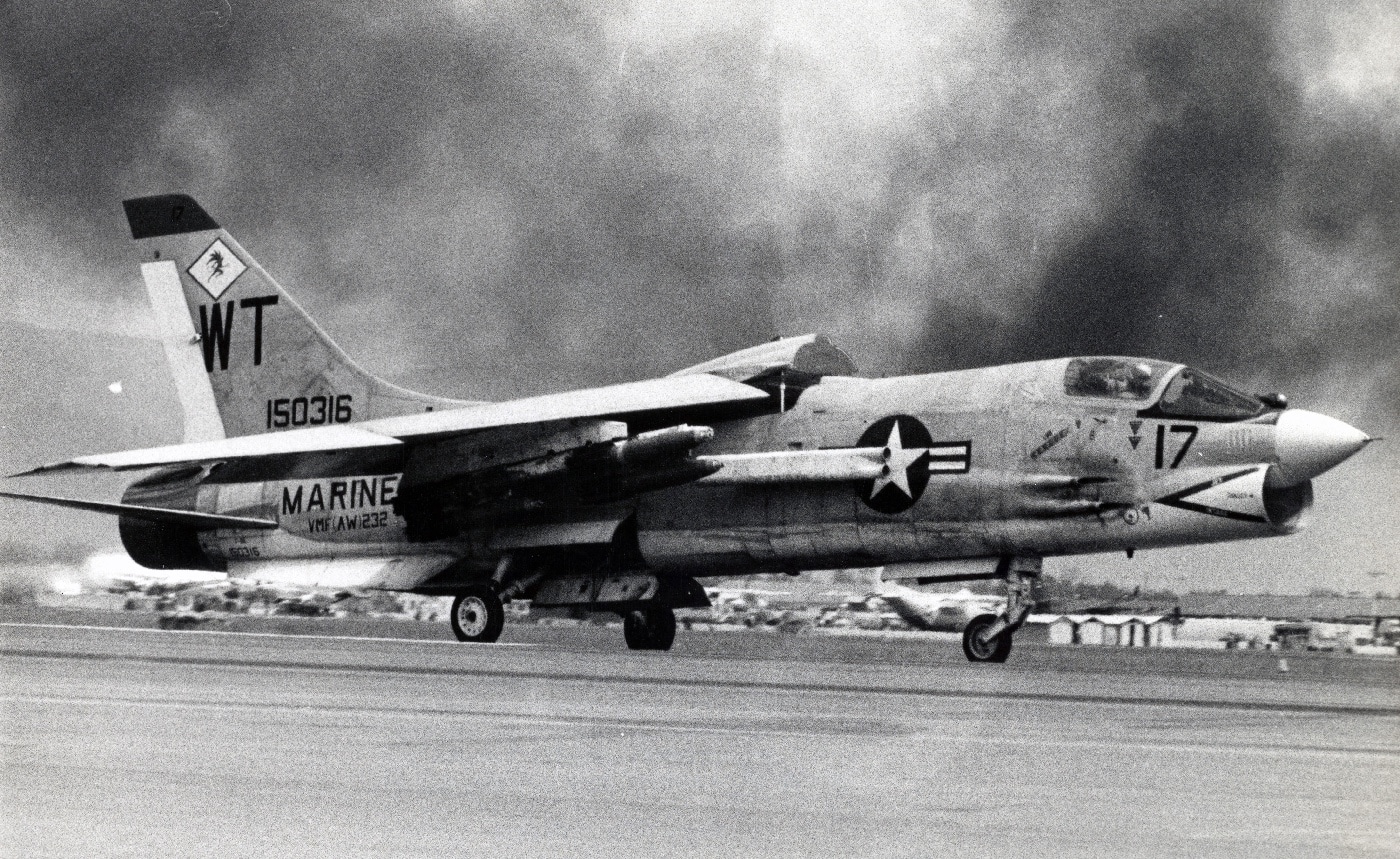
(497, 199)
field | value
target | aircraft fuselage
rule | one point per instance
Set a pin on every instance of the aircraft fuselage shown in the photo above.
(979, 463)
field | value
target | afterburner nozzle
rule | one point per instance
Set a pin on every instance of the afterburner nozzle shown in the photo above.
(1307, 444)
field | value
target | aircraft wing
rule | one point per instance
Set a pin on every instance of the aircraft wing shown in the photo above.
(269, 444)
(614, 401)
(622, 401)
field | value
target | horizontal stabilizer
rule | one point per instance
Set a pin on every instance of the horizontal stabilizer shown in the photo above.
(189, 518)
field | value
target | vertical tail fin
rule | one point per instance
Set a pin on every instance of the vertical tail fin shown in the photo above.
(246, 357)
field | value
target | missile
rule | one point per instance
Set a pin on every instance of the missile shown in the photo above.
(643, 450)
(612, 488)
(594, 473)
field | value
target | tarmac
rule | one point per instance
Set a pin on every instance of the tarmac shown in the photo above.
(139, 742)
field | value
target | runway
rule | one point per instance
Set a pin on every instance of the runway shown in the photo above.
(136, 743)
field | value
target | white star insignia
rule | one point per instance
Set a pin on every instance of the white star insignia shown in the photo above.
(898, 459)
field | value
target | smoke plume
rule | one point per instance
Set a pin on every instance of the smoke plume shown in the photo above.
(490, 200)
(1246, 224)
(528, 196)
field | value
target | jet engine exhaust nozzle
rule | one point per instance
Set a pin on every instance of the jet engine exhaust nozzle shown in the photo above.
(1307, 444)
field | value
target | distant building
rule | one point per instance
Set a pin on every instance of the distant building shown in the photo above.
(1352, 623)
(1062, 629)
(1107, 629)
(1090, 631)
(1290, 608)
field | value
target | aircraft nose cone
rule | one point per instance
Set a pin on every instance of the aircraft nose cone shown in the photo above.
(1308, 444)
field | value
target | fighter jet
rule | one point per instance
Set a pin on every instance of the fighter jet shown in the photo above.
(298, 463)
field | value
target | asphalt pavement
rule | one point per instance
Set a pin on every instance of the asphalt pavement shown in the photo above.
(124, 742)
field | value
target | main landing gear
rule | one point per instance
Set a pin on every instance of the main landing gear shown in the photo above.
(651, 628)
(645, 603)
(987, 637)
(478, 614)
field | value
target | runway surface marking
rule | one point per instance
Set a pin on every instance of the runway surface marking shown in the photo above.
(186, 705)
(705, 682)
(291, 635)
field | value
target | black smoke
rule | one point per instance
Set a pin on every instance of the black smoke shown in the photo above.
(498, 199)
(1227, 179)
(506, 189)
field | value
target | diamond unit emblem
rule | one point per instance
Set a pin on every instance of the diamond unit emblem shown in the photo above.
(217, 268)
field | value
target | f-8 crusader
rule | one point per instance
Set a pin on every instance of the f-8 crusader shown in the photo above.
(299, 466)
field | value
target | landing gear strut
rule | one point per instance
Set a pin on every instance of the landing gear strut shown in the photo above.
(652, 628)
(478, 615)
(988, 637)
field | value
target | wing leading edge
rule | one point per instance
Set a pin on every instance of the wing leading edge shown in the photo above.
(615, 401)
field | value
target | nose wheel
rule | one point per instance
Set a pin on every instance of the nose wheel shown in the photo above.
(649, 628)
(979, 646)
(987, 637)
(478, 615)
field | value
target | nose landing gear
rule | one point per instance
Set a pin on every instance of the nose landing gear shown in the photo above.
(980, 645)
(987, 637)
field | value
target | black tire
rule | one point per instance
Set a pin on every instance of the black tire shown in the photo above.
(635, 632)
(649, 629)
(978, 651)
(663, 628)
(478, 615)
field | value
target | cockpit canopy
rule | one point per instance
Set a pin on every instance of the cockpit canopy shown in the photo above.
(1163, 389)
(1115, 378)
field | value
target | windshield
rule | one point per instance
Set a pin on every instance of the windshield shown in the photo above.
(1193, 394)
(1117, 378)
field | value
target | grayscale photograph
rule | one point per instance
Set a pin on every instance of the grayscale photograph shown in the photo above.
(773, 428)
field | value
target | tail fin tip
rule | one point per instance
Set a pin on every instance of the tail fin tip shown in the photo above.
(166, 215)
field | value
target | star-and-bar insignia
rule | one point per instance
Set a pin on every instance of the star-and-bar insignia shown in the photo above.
(899, 461)
(911, 456)
(950, 457)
